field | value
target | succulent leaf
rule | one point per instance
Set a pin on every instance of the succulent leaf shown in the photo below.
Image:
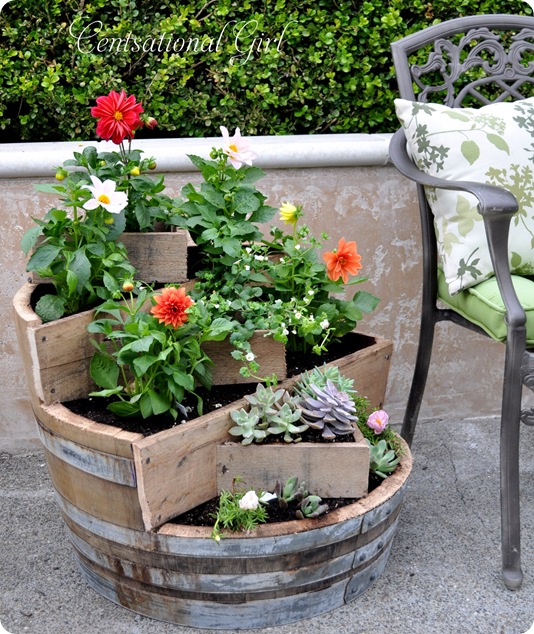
(329, 410)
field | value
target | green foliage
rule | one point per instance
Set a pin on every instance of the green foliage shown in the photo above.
(382, 460)
(316, 66)
(311, 507)
(77, 251)
(290, 492)
(149, 366)
(232, 516)
(272, 412)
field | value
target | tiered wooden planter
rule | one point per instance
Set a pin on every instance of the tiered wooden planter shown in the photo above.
(58, 354)
(118, 490)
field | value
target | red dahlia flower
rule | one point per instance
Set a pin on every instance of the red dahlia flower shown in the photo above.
(171, 306)
(118, 116)
(343, 260)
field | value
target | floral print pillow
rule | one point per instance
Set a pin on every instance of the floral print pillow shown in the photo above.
(493, 144)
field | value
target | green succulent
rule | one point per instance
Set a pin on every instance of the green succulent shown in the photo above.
(329, 410)
(247, 425)
(382, 460)
(284, 421)
(319, 377)
(291, 491)
(265, 399)
(311, 507)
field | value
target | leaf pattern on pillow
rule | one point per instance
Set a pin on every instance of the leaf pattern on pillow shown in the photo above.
(492, 144)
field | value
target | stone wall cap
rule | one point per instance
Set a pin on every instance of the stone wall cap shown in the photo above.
(31, 160)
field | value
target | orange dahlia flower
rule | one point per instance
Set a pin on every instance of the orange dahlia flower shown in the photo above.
(342, 261)
(118, 116)
(171, 306)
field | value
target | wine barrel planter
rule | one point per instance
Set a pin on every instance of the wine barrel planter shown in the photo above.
(117, 491)
(277, 574)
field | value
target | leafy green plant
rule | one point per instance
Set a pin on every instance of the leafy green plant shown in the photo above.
(329, 410)
(272, 412)
(150, 361)
(311, 507)
(290, 492)
(222, 214)
(327, 69)
(77, 251)
(246, 425)
(238, 511)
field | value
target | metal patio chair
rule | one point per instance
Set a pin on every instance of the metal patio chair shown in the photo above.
(484, 59)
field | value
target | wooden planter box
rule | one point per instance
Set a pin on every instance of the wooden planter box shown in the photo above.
(160, 256)
(330, 470)
(57, 354)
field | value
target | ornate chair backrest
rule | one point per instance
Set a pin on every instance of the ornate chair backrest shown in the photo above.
(484, 59)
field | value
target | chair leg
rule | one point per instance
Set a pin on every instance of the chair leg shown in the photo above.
(510, 507)
(422, 364)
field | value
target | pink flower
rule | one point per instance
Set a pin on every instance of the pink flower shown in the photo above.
(378, 421)
(237, 148)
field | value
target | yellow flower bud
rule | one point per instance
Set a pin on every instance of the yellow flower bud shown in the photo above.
(135, 171)
(60, 175)
(128, 286)
(289, 213)
(108, 220)
(152, 165)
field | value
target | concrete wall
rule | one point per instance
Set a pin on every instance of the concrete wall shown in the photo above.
(347, 189)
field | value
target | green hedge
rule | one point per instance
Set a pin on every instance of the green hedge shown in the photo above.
(327, 67)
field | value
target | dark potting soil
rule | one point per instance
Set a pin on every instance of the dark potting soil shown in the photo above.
(95, 408)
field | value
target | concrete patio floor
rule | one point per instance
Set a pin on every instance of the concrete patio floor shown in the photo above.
(443, 575)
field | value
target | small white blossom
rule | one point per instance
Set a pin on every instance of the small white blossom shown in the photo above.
(324, 324)
(104, 195)
(298, 314)
(297, 247)
(310, 292)
(250, 356)
(249, 502)
(247, 268)
(285, 331)
(248, 249)
(267, 497)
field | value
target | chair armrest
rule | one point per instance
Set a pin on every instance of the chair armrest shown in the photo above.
(496, 205)
(492, 200)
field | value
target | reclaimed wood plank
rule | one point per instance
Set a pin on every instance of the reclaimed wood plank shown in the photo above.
(336, 470)
(158, 256)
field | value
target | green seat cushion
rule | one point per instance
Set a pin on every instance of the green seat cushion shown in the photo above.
(482, 304)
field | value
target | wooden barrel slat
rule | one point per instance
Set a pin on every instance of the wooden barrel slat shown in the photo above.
(94, 497)
(233, 565)
(97, 463)
(235, 588)
(179, 574)
(215, 615)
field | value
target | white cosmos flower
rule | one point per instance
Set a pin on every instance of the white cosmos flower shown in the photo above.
(237, 148)
(104, 195)
(249, 502)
